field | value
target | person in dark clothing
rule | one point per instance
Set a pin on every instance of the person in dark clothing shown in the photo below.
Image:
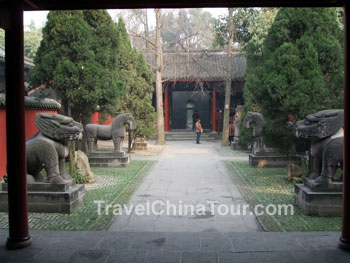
(220, 121)
(199, 130)
(195, 117)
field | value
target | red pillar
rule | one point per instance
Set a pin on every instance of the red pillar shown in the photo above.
(344, 242)
(213, 110)
(166, 109)
(15, 129)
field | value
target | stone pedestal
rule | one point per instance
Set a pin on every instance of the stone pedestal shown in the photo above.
(108, 159)
(320, 200)
(49, 198)
(235, 146)
(269, 158)
(139, 145)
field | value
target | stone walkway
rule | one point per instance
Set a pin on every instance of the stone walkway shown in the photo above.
(189, 174)
(194, 174)
(171, 247)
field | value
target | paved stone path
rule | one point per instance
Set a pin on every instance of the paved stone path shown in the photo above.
(160, 247)
(189, 174)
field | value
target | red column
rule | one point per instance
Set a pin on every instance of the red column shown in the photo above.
(166, 109)
(213, 110)
(15, 129)
(344, 242)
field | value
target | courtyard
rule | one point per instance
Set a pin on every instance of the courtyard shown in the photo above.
(182, 173)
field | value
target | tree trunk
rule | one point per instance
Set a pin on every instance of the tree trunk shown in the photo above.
(159, 88)
(225, 130)
(147, 31)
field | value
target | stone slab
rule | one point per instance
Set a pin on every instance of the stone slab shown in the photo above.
(273, 161)
(330, 187)
(108, 159)
(50, 202)
(318, 203)
(46, 187)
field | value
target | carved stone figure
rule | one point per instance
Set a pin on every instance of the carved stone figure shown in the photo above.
(257, 120)
(237, 122)
(325, 130)
(115, 132)
(48, 148)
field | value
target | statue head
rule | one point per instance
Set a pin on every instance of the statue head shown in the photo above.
(320, 125)
(129, 119)
(58, 127)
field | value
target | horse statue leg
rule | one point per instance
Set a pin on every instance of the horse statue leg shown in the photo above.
(118, 142)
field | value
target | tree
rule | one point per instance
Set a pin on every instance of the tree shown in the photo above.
(2, 37)
(32, 39)
(226, 120)
(299, 70)
(133, 71)
(159, 87)
(187, 29)
(77, 59)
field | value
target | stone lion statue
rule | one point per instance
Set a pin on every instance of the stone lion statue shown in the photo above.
(115, 132)
(258, 121)
(48, 148)
(325, 130)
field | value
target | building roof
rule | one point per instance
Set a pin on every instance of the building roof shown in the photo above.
(199, 65)
(34, 103)
(28, 63)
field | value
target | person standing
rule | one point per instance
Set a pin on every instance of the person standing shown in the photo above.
(199, 130)
(195, 117)
(231, 132)
(220, 121)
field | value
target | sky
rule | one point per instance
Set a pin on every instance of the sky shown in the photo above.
(39, 17)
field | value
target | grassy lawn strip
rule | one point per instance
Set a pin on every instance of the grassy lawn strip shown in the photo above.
(113, 185)
(270, 186)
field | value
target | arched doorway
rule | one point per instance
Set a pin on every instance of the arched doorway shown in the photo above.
(190, 105)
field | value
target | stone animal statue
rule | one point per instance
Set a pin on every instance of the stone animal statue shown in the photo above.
(325, 130)
(257, 120)
(115, 132)
(48, 148)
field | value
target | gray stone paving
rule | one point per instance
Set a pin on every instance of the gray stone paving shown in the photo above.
(188, 174)
(184, 247)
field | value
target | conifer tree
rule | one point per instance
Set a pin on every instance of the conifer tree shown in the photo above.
(77, 59)
(132, 69)
(298, 72)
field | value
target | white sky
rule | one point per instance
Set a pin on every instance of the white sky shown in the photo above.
(39, 17)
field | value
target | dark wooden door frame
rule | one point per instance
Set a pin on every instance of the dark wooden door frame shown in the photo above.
(11, 12)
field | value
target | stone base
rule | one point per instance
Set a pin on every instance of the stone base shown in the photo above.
(261, 160)
(108, 159)
(49, 198)
(235, 146)
(140, 145)
(318, 200)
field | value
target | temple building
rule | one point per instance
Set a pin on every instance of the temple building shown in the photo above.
(195, 81)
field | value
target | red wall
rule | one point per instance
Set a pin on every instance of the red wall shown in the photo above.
(31, 130)
(95, 119)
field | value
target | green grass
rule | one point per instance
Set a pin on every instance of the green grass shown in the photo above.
(113, 185)
(270, 186)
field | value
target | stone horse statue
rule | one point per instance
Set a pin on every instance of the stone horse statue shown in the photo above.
(257, 120)
(115, 132)
(48, 148)
(325, 131)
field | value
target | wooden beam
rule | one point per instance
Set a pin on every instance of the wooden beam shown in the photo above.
(5, 18)
(118, 4)
(15, 130)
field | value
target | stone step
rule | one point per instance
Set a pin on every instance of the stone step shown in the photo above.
(109, 161)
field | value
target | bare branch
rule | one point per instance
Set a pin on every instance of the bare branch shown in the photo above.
(143, 37)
